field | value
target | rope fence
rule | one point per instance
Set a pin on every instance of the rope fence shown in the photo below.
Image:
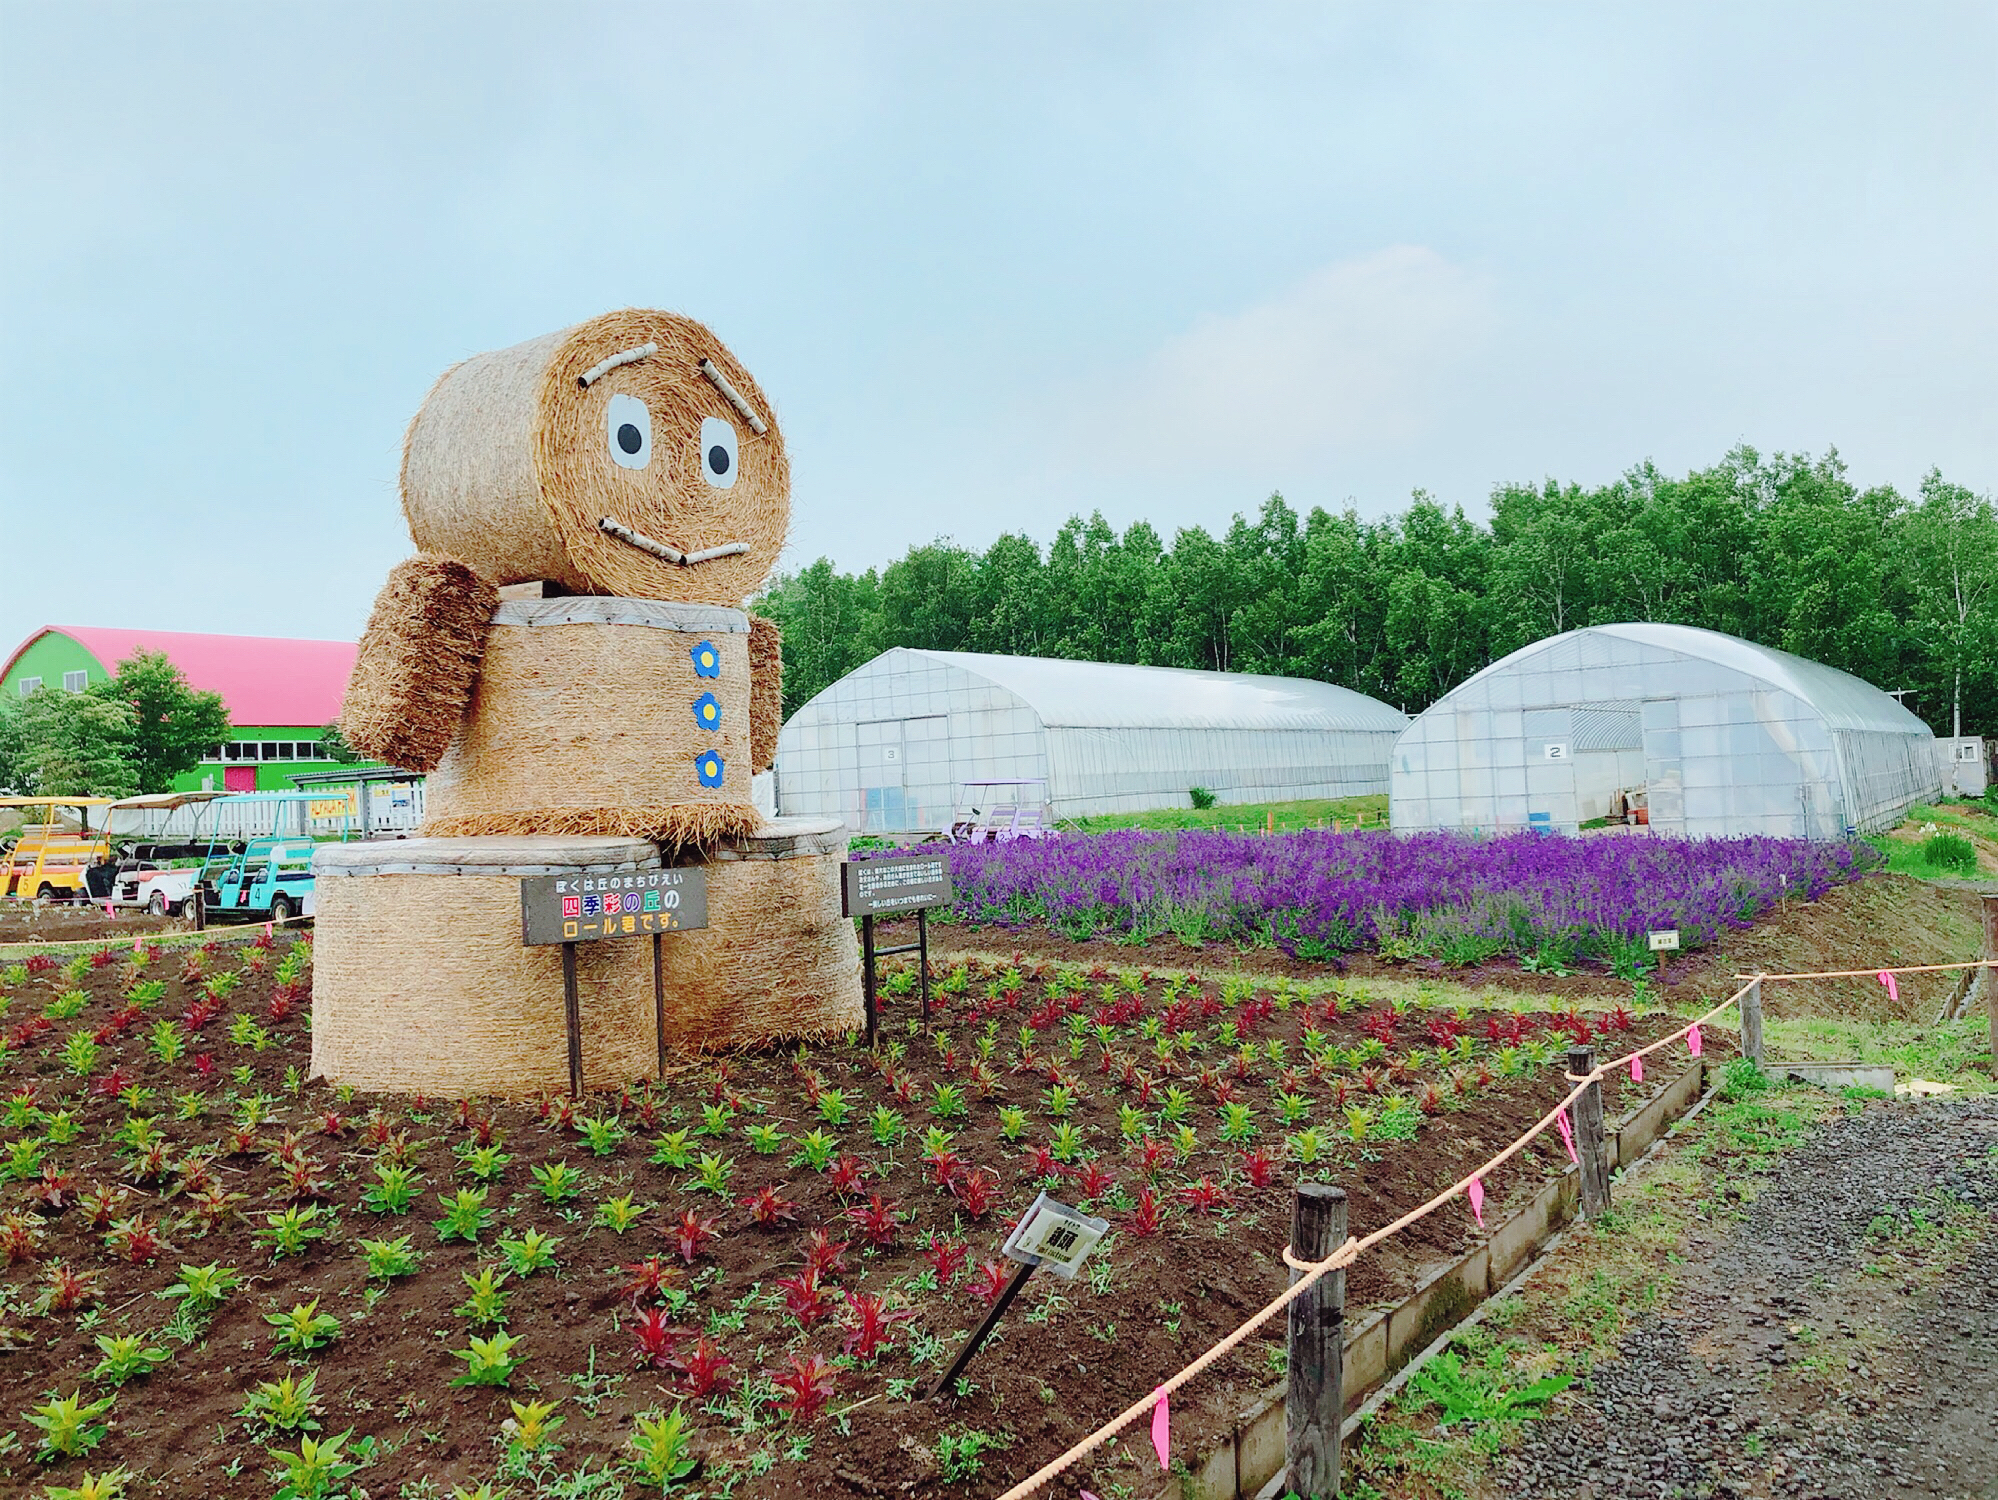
(1310, 1272)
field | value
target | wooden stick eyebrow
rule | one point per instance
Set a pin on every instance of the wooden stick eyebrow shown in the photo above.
(597, 371)
(733, 397)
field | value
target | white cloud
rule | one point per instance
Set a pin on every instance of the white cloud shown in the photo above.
(1357, 355)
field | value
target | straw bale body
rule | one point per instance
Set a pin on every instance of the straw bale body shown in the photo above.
(603, 716)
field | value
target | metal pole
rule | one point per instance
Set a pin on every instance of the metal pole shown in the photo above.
(573, 1014)
(983, 1331)
(923, 956)
(659, 995)
(200, 907)
(1991, 975)
(867, 975)
(1316, 1400)
(1589, 1144)
(1751, 1022)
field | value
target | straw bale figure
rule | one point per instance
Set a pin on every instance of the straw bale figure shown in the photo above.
(629, 458)
(568, 658)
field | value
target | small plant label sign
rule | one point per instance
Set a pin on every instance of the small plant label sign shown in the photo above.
(1054, 1236)
(1664, 940)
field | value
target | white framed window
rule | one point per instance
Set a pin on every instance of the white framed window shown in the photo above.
(75, 682)
(1967, 752)
(29, 685)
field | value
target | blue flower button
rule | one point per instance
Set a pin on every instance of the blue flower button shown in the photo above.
(709, 766)
(707, 712)
(707, 660)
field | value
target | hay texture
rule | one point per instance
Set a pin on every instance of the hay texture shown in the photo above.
(593, 716)
(418, 662)
(777, 960)
(766, 691)
(420, 982)
(509, 464)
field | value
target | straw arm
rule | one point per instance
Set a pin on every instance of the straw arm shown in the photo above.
(418, 662)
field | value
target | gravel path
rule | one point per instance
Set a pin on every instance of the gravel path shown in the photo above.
(1811, 1351)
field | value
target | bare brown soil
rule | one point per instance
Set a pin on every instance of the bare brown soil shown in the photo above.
(1069, 1355)
(70, 922)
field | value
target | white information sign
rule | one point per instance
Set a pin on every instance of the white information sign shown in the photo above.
(1666, 940)
(1054, 1237)
(1557, 750)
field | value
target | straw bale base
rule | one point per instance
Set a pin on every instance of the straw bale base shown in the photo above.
(777, 960)
(420, 982)
(676, 825)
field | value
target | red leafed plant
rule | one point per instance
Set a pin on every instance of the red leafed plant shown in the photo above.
(101, 1205)
(150, 1165)
(694, 1235)
(102, 958)
(976, 1192)
(1204, 1195)
(65, 1289)
(945, 1167)
(18, 1234)
(804, 1298)
(703, 1369)
(112, 1084)
(1148, 1216)
(1430, 1100)
(946, 1258)
(136, 1240)
(1443, 1030)
(1259, 1167)
(873, 1325)
(1380, 1026)
(807, 1386)
(768, 1209)
(40, 963)
(876, 1220)
(657, 1338)
(283, 1001)
(1621, 1019)
(192, 968)
(848, 1177)
(1044, 1163)
(204, 1066)
(117, 1023)
(1093, 1180)
(649, 1279)
(199, 1013)
(989, 1280)
(55, 1191)
(824, 1254)
(1154, 1157)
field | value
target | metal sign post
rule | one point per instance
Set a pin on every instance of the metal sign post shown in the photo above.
(1049, 1234)
(893, 887)
(582, 908)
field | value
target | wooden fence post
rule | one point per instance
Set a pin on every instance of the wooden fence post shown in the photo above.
(1751, 1022)
(1589, 1145)
(1315, 1403)
(1990, 976)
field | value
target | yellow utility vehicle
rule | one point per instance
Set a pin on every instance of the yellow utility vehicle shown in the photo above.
(49, 860)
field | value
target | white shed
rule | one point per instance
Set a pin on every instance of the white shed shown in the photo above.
(889, 746)
(1720, 735)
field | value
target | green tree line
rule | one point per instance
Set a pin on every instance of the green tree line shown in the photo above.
(132, 733)
(1784, 550)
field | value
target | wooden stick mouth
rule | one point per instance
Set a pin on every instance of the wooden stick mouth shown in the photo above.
(671, 554)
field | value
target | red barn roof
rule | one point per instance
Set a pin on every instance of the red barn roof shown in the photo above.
(263, 681)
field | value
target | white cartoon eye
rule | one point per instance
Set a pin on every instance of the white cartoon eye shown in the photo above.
(717, 452)
(628, 431)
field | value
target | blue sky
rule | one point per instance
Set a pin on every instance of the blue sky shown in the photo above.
(994, 264)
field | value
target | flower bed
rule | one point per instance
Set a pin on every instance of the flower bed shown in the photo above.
(1440, 895)
(213, 1272)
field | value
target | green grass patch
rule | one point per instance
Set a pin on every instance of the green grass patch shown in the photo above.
(1286, 817)
(1957, 1052)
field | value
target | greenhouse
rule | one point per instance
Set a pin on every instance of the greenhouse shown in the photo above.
(914, 739)
(1684, 730)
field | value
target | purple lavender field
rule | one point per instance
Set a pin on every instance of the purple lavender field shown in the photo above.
(1438, 895)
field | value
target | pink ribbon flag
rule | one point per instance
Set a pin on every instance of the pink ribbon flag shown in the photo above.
(1475, 1191)
(1636, 1068)
(1693, 1040)
(1893, 989)
(1162, 1430)
(1567, 1136)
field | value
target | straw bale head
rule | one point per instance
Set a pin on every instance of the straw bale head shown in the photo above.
(630, 455)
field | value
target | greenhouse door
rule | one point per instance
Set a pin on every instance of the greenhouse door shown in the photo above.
(1664, 773)
(883, 802)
